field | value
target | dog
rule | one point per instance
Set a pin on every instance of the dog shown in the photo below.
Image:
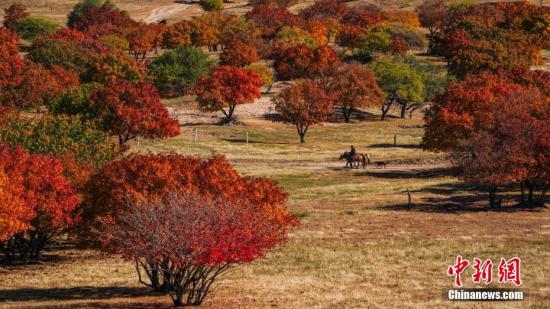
(381, 164)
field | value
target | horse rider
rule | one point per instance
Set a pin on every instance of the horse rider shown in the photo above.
(352, 152)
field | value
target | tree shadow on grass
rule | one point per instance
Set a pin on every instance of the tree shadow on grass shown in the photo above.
(36, 294)
(388, 145)
(456, 198)
(412, 174)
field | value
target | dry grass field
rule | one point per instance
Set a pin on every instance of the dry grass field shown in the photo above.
(358, 245)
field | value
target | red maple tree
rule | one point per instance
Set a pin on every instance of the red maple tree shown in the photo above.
(226, 88)
(130, 110)
(47, 203)
(133, 195)
(303, 104)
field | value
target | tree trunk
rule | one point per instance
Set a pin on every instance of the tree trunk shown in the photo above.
(522, 197)
(228, 114)
(347, 113)
(386, 108)
(302, 130)
(404, 110)
(493, 201)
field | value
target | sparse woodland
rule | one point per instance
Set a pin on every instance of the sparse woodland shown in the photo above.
(75, 98)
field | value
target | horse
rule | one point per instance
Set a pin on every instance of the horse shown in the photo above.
(358, 159)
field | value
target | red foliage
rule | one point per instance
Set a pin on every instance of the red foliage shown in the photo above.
(14, 214)
(24, 84)
(364, 16)
(299, 61)
(465, 107)
(49, 201)
(399, 46)
(177, 34)
(131, 110)
(293, 62)
(270, 20)
(13, 14)
(227, 87)
(185, 218)
(325, 60)
(349, 35)
(102, 21)
(68, 35)
(303, 104)
(354, 85)
(238, 54)
(155, 176)
(8, 43)
(514, 148)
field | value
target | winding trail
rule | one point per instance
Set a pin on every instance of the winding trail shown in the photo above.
(164, 12)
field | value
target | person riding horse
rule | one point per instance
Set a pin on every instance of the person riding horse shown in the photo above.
(353, 159)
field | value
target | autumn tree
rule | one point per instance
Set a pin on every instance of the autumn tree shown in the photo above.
(129, 110)
(25, 84)
(363, 16)
(175, 72)
(114, 66)
(206, 31)
(8, 43)
(512, 148)
(177, 34)
(58, 136)
(48, 200)
(99, 18)
(238, 54)
(74, 101)
(349, 35)
(464, 108)
(13, 14)
(296, 35)
(401, 16)
(270, 20)
(31, 28)
(299, 61)
(226, 88)
(353, 86)
(153, 179)
(211, 5)
(303, 104)
(265, 73)
(14, 215)
(402, 85)
(433, 15)
(141, 39)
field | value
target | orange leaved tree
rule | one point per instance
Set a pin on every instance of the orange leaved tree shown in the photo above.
(41, 203)
(130, 110)
(303, 104)
(226, 88)
(211, 218)
(354, 85)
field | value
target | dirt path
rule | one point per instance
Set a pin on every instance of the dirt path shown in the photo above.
(164, 12)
